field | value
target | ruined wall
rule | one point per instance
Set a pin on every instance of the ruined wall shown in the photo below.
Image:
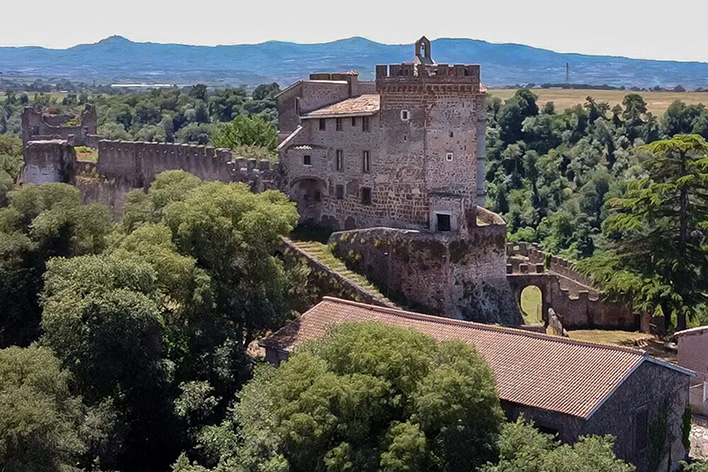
(457, 275)
(48, 161)
(568, 292)
(39, 126)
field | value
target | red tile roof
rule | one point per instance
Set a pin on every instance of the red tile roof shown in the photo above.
(363, 105)
(535, 370)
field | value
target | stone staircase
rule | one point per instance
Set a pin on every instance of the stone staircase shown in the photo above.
(321, 253)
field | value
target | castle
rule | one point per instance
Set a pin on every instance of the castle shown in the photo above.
(405, 151)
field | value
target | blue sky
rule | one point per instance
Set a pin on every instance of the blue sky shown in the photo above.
(647, 28)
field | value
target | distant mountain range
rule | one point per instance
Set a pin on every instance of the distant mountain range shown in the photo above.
(119, 60)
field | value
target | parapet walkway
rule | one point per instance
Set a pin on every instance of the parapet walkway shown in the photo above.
(320, 255)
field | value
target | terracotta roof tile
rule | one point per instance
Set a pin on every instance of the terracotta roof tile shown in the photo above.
(366, 104)
(536, 370)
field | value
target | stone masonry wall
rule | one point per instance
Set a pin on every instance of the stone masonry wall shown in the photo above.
(48, 161)
(460, 276)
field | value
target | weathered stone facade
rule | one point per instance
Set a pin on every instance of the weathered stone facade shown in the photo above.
(396, 153)
(460, 275)
(78, 130)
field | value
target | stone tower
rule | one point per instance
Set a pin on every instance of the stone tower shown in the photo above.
(435, 113)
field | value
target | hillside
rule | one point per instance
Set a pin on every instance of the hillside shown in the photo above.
(119, 60)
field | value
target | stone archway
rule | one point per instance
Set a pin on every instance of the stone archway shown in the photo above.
(519, 282)
(309, 194)
(531, 304)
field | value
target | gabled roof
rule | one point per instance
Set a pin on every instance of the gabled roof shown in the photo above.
(363, 105)
(535, 370)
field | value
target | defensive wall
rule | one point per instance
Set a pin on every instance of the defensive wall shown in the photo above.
(325, 281)
(570, 294)
(460, 275)
(125, 165)
(79, 130)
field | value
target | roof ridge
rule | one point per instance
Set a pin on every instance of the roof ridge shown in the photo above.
(496, 328)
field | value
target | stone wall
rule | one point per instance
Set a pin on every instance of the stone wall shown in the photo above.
(39, 126)
(459, 275)
(48, 161)
(693, 351)
(569, 293)
(323, 281)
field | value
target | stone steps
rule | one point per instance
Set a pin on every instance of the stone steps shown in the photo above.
(323, 254)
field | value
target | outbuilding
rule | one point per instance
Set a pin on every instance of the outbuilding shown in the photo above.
(567, 387)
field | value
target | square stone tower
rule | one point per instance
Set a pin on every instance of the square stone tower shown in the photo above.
(437, 112)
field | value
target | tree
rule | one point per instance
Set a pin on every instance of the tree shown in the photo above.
(39, 418)
(246, 131)
(39, 223)
(368, 397)
(512, 115)
(657, 256)
(523, 448)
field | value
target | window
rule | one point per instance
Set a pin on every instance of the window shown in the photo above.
(366, 195)
(405, 137)
(452, 135)
(339, 190)
(339, 124)
(641, 430)
(353, 120)
(297, 106)
(323, 124)
(366, 162)
(340, 159)
(307, 160)
(365, 123)
(405, 116)
(443, 223)
(448, 156)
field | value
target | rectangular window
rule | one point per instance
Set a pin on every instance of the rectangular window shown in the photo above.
(340, 159)
(366, 195)
(366, 162)
(323, 124)
(443, 222)
(641, 430)
(339, 124)
(365, 123)
(307, 160)
(339, 190)
(353, 120)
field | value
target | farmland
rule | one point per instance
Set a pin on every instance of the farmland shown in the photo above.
(657, 102)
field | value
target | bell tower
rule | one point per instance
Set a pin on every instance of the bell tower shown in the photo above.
(423, 54)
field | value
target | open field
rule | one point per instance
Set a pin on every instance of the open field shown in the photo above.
(531, 305)
(657, 102)
(59, 96)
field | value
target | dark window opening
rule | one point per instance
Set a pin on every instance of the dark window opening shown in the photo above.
(366, 195)
(366, 162)
(340, 159)
(323, 124)
(641, 430)
(353, 120)
(318, 196)
(307, 160)
(452, 134)
(365, 123)
(443, 222)
(339, 124)
(339, 190)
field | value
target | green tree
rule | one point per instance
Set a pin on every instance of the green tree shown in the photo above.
(39, 418)
(39, 223)
(523, 448)
(246, 131)
(657, 256)
(368, 397)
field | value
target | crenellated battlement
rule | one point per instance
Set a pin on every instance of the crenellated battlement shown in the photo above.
(428, 73)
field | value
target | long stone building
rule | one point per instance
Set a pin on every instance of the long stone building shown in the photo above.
(566, 387)
(405, 151)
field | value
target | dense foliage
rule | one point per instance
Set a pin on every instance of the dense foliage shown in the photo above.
(191, 115)
(368, 397)
(523, 448)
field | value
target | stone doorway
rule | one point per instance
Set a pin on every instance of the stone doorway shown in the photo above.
(309, 194)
